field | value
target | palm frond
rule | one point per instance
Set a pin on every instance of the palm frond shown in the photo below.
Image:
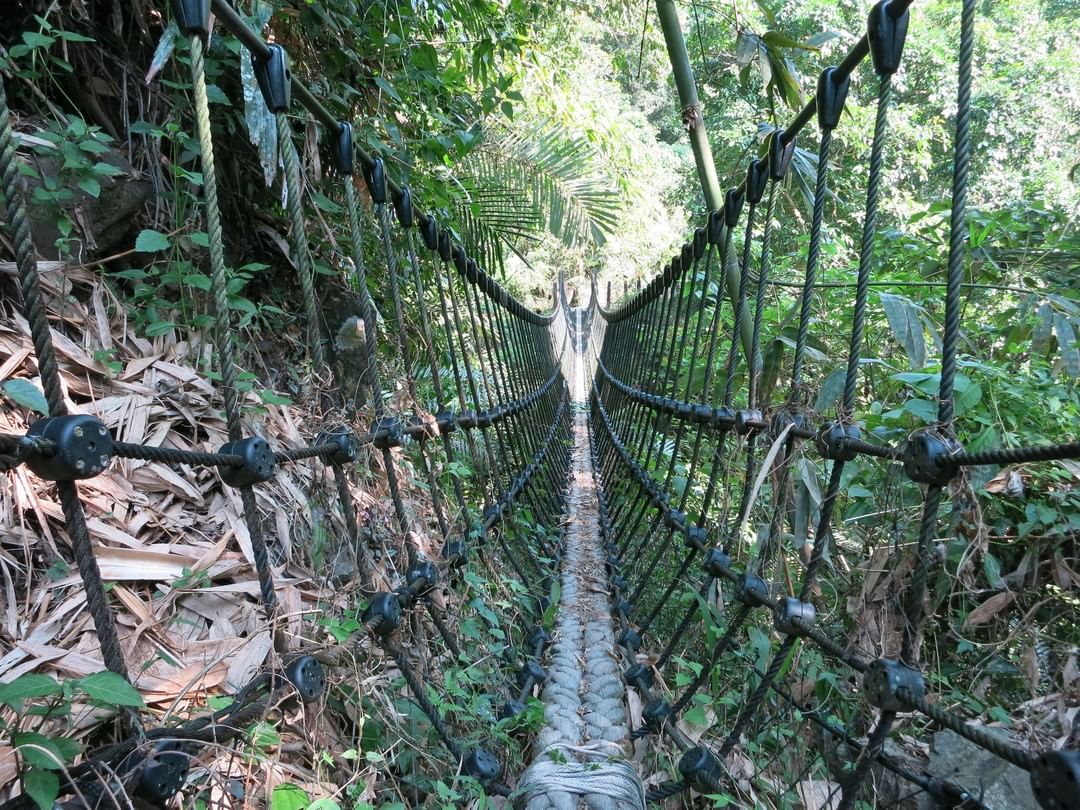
(521, 184)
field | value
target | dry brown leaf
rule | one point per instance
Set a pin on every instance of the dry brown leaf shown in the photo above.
(817, 794)
(990, 608)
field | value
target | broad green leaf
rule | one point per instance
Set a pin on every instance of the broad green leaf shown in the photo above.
(71, 36)
(42, 786)
(907, 327)
(27, 394)
(149, 241)
(90, 186)
(264, 735)
(922, 409)
(35, 40)
(831, 389)
(40, 751)
(108, 687)
(1040, 335)
(775, 39)
(28, 686)
(270, 398)
(696, 716)
(1066, 337)
(289, 797)
(387, 88)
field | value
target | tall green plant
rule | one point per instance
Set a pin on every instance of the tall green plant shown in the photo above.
(522, 184)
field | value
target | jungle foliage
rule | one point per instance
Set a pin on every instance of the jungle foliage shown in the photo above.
(548, 135)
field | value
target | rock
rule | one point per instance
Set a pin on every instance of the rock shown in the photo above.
(104, 223)
(992, 780)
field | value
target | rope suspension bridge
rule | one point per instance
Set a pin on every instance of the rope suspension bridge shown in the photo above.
(605, 476)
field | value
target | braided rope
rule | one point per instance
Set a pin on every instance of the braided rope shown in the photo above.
(34, 309)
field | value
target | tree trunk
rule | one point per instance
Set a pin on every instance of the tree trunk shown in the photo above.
(699, 143)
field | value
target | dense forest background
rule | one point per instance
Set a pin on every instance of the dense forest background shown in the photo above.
(549, 136)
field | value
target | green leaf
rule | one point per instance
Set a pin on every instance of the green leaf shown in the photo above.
(25, 393)
(289, 797)
(28, 686)
(215, 95)
(35, 40)
(831, 389)
(149, 241)
(42, 786)
(1066, 337)
(90, 186)
(108, 687)
(1040, 335)
(387, 88)
(907, 327)
(38, 750)
(775, 39)
(270, 398)
(264, 735)
(71, 36)
(922, 409)
(696, 716)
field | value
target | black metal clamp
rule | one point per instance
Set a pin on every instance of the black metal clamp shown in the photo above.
(757, 175)
(386, 432)
(1055, 780)
(752, 590)
(456, 553)
(346, 446)
(274, 78)
(696, 537)
(375, 177)
(164, 772)
(885, 678)
(886, 31)
(792, 617)
(530, 674)
(927, 457)
(630, 640)
(82, 447)
(422, 577)
(640, 676)
(341, 146)
(383, 613)
(258, 462)
(832, 438)
(192, 16)
(780, 155)
(747, 421)
(403, 207)
(655, 714)
(717, 563)
(733, 206)
(701, 769)
(306, 674)
(482, 766)
(831, 94)
(788, 415)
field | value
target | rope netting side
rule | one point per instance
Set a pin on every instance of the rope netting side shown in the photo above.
(660, 435)
(513, 412)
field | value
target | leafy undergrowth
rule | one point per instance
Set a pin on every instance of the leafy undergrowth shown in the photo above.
(176, 557)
